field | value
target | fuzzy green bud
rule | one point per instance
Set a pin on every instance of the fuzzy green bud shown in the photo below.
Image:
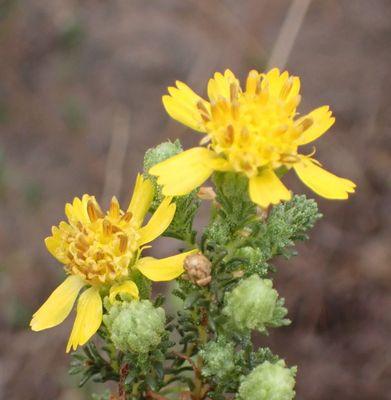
(136, 326)
(186, 206)
(156, 155)
(160, 153)
(269, 382)
(219, 358)
(253, 257)
(219, 231)
(254, 304)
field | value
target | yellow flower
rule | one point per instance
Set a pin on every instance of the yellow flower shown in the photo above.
(99, 252)
(254, 131)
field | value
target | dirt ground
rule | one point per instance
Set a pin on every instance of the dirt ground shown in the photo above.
(80, 90)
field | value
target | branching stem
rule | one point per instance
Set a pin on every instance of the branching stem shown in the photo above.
(188, 359)
(153, 395)
(123, 372)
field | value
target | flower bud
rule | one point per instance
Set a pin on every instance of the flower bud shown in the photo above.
(198, 269)
(254, 304)
(269, 382)
(253, 257)
(136, 326)
(206, 193)
(160, 153)
(219, 358)
(154, 156)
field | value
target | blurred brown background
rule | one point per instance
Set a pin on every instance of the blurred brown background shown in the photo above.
(80, 89)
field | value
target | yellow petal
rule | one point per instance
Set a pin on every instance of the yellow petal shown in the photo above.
(59, 304)
(164, 269)
(220, 85)
(181, 174)
(323, 182)
(281, 84)
(141, 199)
(320, 121)
(266, 188)
(159, 221)
(181, 105)
(125, 287)
(77, 211)
(219, 164)
(88, 318)
(55, 246)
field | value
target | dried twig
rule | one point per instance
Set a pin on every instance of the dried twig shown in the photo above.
(116, 155)
(288, 33)
(219, 12)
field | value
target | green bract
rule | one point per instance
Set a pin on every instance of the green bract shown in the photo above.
(136, 326)
(269, 382)
(254, 304)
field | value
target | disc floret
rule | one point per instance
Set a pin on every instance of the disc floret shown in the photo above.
(99, 248)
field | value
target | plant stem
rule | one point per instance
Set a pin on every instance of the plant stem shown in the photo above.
(123, 372)
(200, 391)
(188, 359)
(153, 395)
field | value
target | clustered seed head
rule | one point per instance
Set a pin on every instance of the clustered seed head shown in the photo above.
(136, 326)
(254, 304)
(269, 382)
(198, 269)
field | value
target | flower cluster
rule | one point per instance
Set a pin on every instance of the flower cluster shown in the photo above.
(252, 137)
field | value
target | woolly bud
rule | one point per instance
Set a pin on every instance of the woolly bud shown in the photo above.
(254, 304)
(198, 269)
(269, 382)
(219, 358)
(160, 153)
(136, 326)
(154, 156)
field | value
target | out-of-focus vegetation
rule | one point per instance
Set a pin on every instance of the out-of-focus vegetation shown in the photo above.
(67, 68)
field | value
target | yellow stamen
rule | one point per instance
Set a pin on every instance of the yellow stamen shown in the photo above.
(234, 91)
(229, 136)
(114, 208)
(123, 243)
(127, 216)
(252, 82)
(286, 88)
(107, 227)
(203, 111)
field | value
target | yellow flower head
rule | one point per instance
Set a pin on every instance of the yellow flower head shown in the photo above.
(99, 251)
(254, 131)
